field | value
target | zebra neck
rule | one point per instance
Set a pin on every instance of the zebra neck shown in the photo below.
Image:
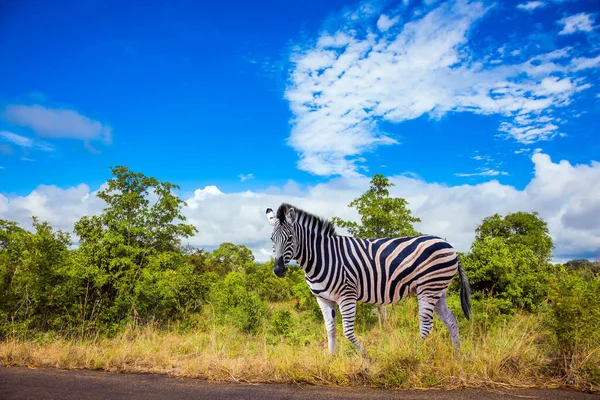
(315, 251)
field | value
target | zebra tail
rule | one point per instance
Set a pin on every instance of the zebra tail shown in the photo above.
(465, 292)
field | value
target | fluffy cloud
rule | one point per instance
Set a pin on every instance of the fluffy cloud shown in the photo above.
(531, 5)
(60, 207)
(579, 22)
(384, 22)
(567, 196)
(347, 82)
(58, 123)
(581, 63)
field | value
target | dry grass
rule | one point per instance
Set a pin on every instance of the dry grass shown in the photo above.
(512, 355)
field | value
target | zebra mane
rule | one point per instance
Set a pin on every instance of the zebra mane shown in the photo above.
(323, 225)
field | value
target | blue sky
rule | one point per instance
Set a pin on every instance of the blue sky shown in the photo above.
(276, 97)
(192, 92)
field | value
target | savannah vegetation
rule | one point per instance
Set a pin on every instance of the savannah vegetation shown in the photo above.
(124, 293)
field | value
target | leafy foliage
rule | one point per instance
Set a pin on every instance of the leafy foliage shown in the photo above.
(574, 312)
(509, 260)
(381, 216)
(283, 322)
(520, 228)
(229, 257)
(588, 269)
(33, 288)
(130, 253)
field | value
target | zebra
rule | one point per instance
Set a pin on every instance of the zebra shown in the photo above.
(343, 270)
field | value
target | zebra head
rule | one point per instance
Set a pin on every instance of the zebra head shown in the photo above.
(282, 238)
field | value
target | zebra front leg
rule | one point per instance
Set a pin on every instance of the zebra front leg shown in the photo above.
(328, 310)
(348, 310)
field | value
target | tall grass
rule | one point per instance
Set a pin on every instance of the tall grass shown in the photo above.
(510, 353)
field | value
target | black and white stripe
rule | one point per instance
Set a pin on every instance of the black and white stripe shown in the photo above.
(343, 270)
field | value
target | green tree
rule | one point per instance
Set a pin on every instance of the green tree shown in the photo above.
(509, 260)
(524, 228)
(588, 269)
(229, 257)
(381, 216)
(143, 211)
(128, 251)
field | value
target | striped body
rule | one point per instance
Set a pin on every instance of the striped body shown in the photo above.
(377, 271)
(343, 270)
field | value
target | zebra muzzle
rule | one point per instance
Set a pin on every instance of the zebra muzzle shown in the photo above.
(280, 268)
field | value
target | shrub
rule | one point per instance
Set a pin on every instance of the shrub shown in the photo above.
(235, 304)
(282, 322)
(304, 300)
(510, 272)
(574, 313)
(254, 312)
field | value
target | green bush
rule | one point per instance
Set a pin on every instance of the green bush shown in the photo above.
(33, 278)
(510, 272)
(573, 315)
(304, 300)
(235, 304)
(254, 312)
(282, 322)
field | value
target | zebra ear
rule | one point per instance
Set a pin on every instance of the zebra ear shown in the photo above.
(270, 216)
(290, 216)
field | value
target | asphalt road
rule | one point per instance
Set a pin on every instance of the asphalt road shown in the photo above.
(44, 384)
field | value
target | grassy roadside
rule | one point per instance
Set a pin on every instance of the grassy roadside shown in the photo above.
(512, 353)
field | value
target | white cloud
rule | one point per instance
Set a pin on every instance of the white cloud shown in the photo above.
(579, 22)
(384, 22)
(567, 196)
(555, 85)
(25, 142)
(58, 123)
(581, 63)
(347, 82)
(482, 172)
(531, 5)
(245, 177)
(61, 207)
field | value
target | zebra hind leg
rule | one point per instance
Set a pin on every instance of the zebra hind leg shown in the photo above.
(445, 315)
(348, 310)
(426, 305)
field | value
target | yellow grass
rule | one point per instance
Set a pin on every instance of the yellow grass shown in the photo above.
(512, 355)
